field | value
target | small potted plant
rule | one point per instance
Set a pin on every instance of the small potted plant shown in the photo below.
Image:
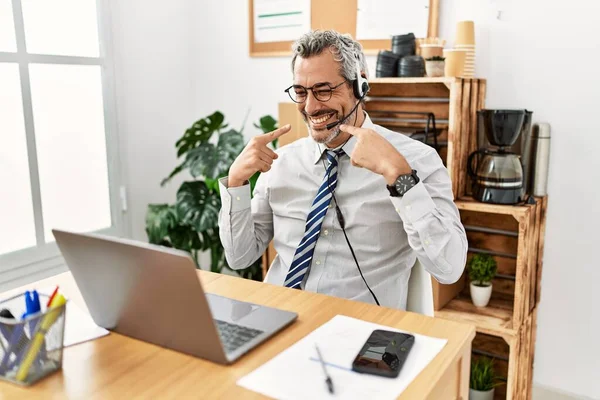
(482, 269)
(483, 379)
(434, 66)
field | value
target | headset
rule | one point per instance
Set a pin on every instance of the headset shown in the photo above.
(360, 87)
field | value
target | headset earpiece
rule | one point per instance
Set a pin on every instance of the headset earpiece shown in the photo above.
(360, 86)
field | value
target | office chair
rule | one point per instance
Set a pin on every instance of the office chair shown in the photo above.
(420, 291)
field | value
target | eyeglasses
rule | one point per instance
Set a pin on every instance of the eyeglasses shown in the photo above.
(321, 91)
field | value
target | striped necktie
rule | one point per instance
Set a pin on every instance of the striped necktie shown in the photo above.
(314, 221)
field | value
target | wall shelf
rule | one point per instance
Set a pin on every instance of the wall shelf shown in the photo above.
(495, 319)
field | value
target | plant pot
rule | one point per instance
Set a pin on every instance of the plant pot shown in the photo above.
(432, 50)
(480, 295)
(479, 395)
(434, 68)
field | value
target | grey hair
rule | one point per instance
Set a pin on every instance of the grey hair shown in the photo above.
(343, 47)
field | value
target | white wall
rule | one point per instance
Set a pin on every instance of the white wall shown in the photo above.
(227, 78)
(153, 46)
(531, 58)
(184, 60)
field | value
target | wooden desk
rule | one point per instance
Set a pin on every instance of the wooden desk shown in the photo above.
(116, 366)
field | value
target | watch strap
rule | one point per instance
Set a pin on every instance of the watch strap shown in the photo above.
(393, 191)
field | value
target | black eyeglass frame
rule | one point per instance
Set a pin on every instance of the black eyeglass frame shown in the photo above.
(307, 89)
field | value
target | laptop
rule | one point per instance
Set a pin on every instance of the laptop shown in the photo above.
(153, 293)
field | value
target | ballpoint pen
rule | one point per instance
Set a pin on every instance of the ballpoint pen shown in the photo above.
(52, 296)
(328, 378)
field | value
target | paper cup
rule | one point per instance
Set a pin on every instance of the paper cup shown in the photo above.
(455, 62)
(465, 33)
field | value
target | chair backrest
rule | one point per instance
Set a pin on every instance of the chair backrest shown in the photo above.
(420, 291)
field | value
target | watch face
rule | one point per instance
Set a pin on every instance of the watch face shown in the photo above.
(404, 183)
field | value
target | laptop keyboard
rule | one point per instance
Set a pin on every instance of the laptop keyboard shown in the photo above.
(234, 336)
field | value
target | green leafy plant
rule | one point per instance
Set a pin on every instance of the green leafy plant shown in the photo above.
(482, 269)
(435, 58)
(483, 376)
(207, 149)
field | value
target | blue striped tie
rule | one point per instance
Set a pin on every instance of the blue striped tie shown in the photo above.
(314, 221)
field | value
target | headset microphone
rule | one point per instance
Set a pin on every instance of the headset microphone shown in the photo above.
(339, 121)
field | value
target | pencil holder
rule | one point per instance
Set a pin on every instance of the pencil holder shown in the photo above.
(31, 347)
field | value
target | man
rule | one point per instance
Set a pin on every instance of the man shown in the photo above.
(349, 208)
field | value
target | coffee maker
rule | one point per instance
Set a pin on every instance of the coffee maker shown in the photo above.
(497, 173)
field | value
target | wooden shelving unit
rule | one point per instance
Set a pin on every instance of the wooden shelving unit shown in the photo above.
(512, 234)
(506, 327)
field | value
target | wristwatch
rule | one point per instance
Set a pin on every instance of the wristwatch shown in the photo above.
(403, 184)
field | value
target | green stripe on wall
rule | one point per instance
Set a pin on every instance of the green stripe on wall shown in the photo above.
(279, 26)
(279, 14)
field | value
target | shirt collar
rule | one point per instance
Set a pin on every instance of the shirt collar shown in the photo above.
(348, 147)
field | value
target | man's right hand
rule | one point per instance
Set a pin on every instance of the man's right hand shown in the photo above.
(255, 157)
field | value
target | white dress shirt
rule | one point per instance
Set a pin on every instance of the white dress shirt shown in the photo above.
(387, 233)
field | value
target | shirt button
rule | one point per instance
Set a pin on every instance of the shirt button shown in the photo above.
(325, 232)
(408, 208)
(238, 198)
(427, 242)
(318, 262)
(397, 210)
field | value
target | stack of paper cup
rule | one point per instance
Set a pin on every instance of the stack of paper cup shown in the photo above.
(465, 40)
(455, 62)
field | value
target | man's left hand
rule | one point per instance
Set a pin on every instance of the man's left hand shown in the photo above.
(376, 154)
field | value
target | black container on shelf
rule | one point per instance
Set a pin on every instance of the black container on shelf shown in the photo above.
(406, 38)
(387, 64)
(404, 45)
(404, 50)
(411, 66)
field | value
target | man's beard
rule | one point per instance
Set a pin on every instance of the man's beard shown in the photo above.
(333, 134)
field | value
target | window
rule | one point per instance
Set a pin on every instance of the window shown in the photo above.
(58, 145)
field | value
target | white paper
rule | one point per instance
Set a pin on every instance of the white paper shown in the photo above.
(280, 20)
(382, 19)
(297, 374)
(79, 325)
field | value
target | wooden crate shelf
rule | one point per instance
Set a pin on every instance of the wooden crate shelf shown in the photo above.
(453, 101)
(495, 319)
(513, 356)
(512, 235)
(506, 328)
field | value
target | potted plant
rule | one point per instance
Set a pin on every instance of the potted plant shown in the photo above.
(434, 66)
(483, 379)
(207, 150)
(482, 269)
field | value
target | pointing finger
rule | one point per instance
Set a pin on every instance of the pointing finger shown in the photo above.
(277, 133)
